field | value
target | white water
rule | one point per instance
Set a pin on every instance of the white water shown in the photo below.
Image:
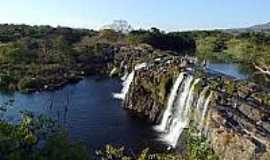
(168, 112)
(190, 95)
(127, 80)
(180, 117)
(205, 107)
(177, 115)
(113, 71)
(201, 100)
(126, 84)
(178, 112)
(124, 76)
(140, 66)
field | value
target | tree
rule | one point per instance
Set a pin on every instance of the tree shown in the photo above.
(109, 35)
(121, 26)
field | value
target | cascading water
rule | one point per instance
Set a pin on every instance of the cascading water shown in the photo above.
(190, 95)
(162, 126)
(124, 76)
(127, 80)
(201, 101)
(140, 66)
(178, 112)
(126, 85)
(205, 107)
(113, 71)
(177, 115)
(181, 116)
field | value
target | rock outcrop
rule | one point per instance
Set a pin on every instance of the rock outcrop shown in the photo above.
(237, 122)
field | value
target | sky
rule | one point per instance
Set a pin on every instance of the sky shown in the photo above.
(168, 15)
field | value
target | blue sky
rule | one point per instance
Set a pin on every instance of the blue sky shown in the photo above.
(165, 14)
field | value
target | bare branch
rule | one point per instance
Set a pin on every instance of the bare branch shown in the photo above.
(264, 69)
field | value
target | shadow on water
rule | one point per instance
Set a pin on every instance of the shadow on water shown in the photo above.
(89, 112)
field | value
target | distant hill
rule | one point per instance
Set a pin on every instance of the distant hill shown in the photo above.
(256, 28)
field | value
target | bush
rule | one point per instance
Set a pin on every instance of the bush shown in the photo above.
(179, 42)
(25, 141)
(198, 147)
(28, 83)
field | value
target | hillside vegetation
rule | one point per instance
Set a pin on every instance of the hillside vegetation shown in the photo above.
(44, 57)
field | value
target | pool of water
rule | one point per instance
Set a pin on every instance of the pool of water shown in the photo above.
(90, 113)
(232, 70)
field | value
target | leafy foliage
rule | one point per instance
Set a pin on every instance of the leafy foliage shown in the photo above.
(37, 137)
(198, 148)
(178, 42)
(113, 153)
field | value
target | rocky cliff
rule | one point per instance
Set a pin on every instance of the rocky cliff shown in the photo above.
(237, 119)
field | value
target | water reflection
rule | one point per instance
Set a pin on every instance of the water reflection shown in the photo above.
(89, 111)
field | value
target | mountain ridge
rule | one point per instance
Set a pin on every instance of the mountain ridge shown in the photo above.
(265, 27)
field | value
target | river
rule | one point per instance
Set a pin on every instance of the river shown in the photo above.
(89, 112)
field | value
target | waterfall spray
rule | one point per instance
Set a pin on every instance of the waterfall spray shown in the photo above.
(205, 107)
(112, 72)
(124, 76)
(201, 100)
(189, 102)
(178, 112)
(180, 117)
(173, 93)
(126, 84)
(127, 80)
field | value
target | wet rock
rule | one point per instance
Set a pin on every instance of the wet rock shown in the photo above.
(238, 126)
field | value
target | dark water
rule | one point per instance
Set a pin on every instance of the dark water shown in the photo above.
(232, 70)
(89, 111)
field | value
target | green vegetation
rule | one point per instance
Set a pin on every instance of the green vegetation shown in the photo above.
(40, 138)
(197, 148)
(37, 138)
(179, 42)
(250, 50)
(245, 48)
(43, 57)
(114, 153)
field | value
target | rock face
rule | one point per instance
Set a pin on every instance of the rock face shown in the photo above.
(237, 122)
(151, 85)
(238, 131)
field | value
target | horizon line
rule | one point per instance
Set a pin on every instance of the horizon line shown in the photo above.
(134, 28)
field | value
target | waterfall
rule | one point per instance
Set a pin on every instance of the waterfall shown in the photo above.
(173, 93)
(127, 80)
(181, 116)
(126, 85)
(201, 100)
(112, 72)
(205, 107)
(140, 66)
(124, 76)
(190, 95)
(177, 114)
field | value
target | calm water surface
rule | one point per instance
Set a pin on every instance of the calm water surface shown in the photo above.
(232, 70)
(90, 113)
